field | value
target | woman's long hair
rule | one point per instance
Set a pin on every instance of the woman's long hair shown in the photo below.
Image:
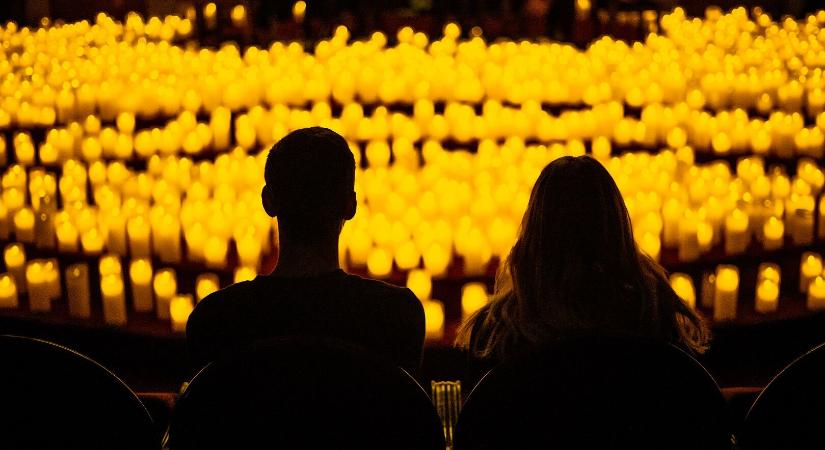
(574, 269)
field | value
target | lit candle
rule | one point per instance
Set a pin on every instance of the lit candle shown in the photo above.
(114, 302)
(688, 239)
(8, 291)
(244, 274)
(140, 275)
(179, 310)
(77, 287)
(205, 284)
(359, 247)
(379, 263)
(433, 319)
(767, 296)
(51, 278)
(809, 268)
(166, 239)
(92, 242)
(473, 297)
(139, 234)
(14, 256)
(816, 294)
(24, 225)
(116, 241)
(249, 250)
(214, 252)
(420, 283)
(682, 284)
(44, 232)
(407, 256)
(39, 300)
(774, 233)
(736, 232)
(195, 237)
(109, 265)
(726, 293)
(166, 286)
(436, 260)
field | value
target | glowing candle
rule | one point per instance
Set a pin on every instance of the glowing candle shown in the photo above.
(436, 260)
(473, 297)
(44, 232)
(109, 265)
(407, 256)
(140, 275)
(205, 284)
(672, 212)
(249, 250)
(166, 238)
(179, 310)
(39, 300)
(816, 294)
(116, 241)
(8, 291)
(433, 319)
(244, 274)
(774, 233)
(809, 268)
(359, 246)
(166, 287)
(379, 263)
(114, 302)
(736, 232)
(77, 289)
(688, 239)
(767, 296)
(4, 221)
(24, 225)
(726, 293)
(14, 256)
(92, 242)
(420, 283)
(682, 284)
(214, 252)
(195, 241)
(51, 278)
(139, 234)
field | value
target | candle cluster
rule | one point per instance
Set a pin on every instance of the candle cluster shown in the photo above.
(144, 156)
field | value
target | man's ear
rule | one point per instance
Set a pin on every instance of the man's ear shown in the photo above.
(351, 206)
(268, 200)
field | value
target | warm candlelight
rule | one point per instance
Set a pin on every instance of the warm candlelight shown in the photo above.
(773, 233)
(39, 300)
(8, 291)
(767, 296)
(379, 263)
(114, 301)
(420, 283)
(165, 286)
(810, 267)
(24, 225)
(140, 275)
(682, 284)
(244, 274)
(436, 260)
(816, 293)
(726, 293)
(433, 319)
(14, 256)
(205, 284)
(473, 297)
(77, 289)
(179, 310)
(737, 237)
(139, 234)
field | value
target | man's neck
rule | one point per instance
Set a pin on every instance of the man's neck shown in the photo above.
(298, 259)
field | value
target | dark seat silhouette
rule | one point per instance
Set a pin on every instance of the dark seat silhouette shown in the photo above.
(54, 398)
(596, 393)
(790, 412)
(300, 393)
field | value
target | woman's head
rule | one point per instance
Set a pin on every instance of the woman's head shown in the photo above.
(575, 268)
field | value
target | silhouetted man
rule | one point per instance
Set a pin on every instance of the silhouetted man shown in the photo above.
(310, 176)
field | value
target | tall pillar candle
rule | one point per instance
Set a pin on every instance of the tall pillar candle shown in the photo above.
(14, 256)
(726, 293)
(736, 232)
(810, 267)
(114, 301)
(77, 287)
(39, 300)
(140, 276)
(8, 291)
(139, 235)
(165, 286)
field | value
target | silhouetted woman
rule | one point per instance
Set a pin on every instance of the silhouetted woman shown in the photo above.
(575, 269)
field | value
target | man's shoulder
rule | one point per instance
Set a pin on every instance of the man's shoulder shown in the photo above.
(378, 289)
(226, 297)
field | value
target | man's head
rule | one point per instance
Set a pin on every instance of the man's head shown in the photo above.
(310, 177)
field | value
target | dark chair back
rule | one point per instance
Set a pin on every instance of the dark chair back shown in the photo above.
(299, 393)
(596, 393)
(53, 397)
(790, 412)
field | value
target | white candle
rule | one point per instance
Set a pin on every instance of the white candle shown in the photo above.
(8, 291)
(39, 300)
(726, 294)
(205, 284)
(179, 310)
(166, 287)
(816, 294)
(767, 296)
(736, 232)
(774, 233)
(14, 256)
(24, 225)
(114, 301)
(139, 234)
(51, 275)
(140, 275)
(67, 237)
(77, 287)
(473, 297)
(810, 267)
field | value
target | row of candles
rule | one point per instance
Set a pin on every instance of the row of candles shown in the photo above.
(64, 73)
(457, 204)
(727, 132)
